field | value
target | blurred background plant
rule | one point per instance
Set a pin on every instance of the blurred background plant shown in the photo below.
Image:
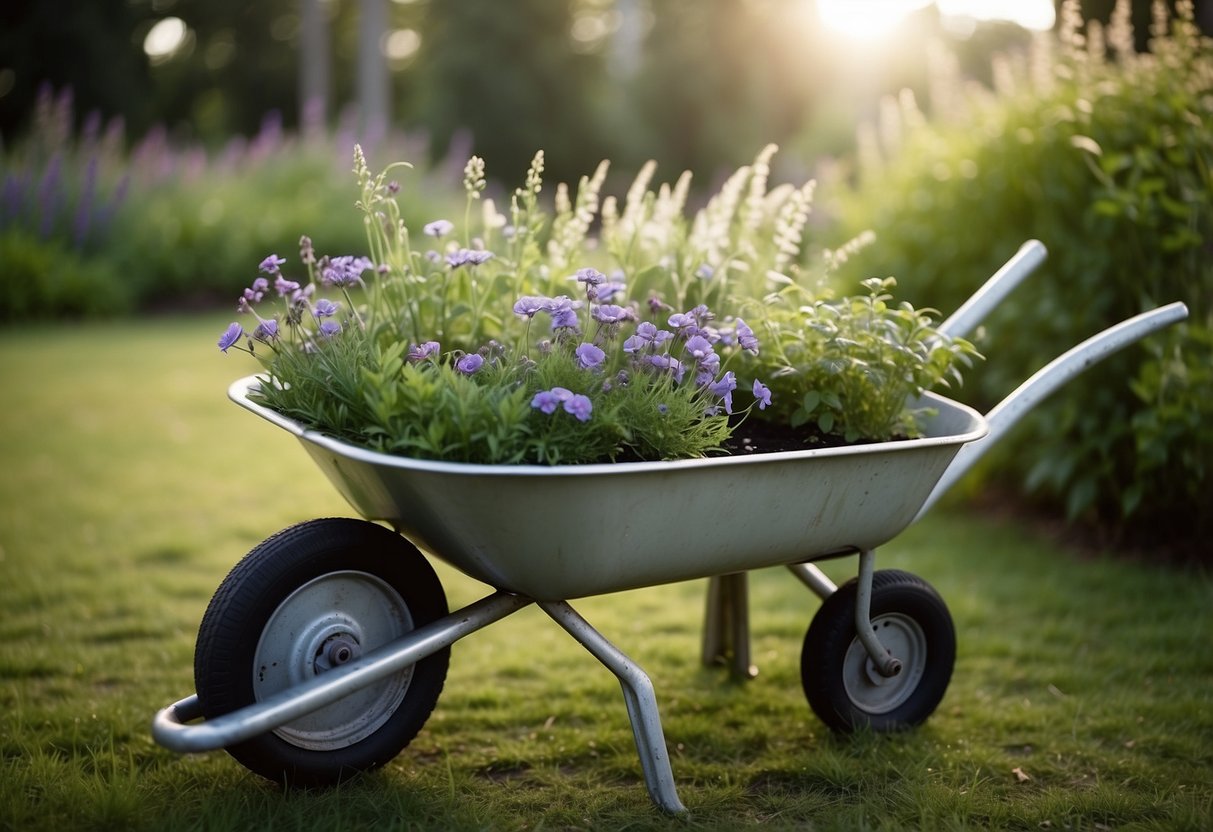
(1105, 154)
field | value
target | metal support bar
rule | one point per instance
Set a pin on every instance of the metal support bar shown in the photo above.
(170, 730)
(726, 625)
(641, 703)
(1057, 372)
(814, 579)
(885, 662)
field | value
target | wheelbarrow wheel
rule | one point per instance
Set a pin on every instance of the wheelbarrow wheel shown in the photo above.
(311, 598)
(841, 682)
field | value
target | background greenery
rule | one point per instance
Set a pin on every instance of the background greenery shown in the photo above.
(1106, 156)
(1080, 698)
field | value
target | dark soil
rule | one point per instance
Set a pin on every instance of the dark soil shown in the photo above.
(754, 436)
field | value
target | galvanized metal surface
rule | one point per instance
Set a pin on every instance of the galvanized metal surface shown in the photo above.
(562, 532)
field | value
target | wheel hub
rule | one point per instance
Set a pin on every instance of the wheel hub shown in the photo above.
(867, 687)
(329, 622)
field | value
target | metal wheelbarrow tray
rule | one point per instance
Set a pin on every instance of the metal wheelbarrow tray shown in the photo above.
(325, 649)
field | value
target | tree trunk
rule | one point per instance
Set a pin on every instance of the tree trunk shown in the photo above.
(314, 67)
(373, 81)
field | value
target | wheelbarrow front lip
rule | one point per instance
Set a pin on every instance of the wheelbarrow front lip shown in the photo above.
(240, 389)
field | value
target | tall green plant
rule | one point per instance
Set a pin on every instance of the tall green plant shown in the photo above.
(1105, 154)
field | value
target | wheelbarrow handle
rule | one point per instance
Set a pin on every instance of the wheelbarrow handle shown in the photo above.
(1030, 255)
(1007, 413)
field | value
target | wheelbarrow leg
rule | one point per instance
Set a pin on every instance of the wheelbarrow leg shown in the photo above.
(726, 625)
(641, 703)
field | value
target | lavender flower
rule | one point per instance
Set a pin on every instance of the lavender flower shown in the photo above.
(635, 343)
(307, 254)
(328, 329)
(527, 305)
(590, 277)
(547, 401)
(420, 352)
(230, 336)
(610, 314)
(580, 406)
(746, 338)
(608, 290)
(763, 394)
(325, 308)
(467, 256)
(469, 364)
(684, 322)
(724, 389)
(345, 270)
(699, 348)
(563, 312)
(266, 331)
(270, 264)
(705, 272)
(589, 356)
(439, 228)
(255, 293)
(668, 362)
(284, 287)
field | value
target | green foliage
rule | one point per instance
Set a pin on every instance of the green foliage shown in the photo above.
(1107, 160)
(427, 362)
(849, 366)
(40, 279)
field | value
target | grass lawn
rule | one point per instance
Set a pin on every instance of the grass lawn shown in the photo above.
(1082, 696)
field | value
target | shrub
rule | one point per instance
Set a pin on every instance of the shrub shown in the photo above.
(1105, 155)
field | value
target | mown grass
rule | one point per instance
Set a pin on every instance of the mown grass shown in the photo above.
(1082, 698)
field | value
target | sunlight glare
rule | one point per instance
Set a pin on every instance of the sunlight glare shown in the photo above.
(1030, 14)
(866, 20)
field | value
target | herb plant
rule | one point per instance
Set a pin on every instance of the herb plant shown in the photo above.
(501, 341)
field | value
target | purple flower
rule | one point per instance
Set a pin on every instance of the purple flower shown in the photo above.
(683, 321)
(745, 337)
(467, 256)
(707, 369)
(255, 293)
(548, 400)
(724, 389)
(270, 264)
(606, 291)
(589, 356)
(329, 328)
(230, 336)
(307, 254)
(563, 312)
(469, 363)
(702, 314)
(325, 308)
(667, 362)
(705, 272)
(439, 228)
(527, 305)
(763, 394)
(580, 406)
(429, 349)
(699, 348)
(610, 314)
(545, 401)
(590, 277)
(266, 331)
(345, 270)
(663, 409)
(284, 287)
(635, 343)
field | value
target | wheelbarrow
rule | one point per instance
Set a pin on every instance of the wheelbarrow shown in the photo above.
(324, 650)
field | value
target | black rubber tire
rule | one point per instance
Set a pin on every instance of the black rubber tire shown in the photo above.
(252, 594)
(844, 690)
